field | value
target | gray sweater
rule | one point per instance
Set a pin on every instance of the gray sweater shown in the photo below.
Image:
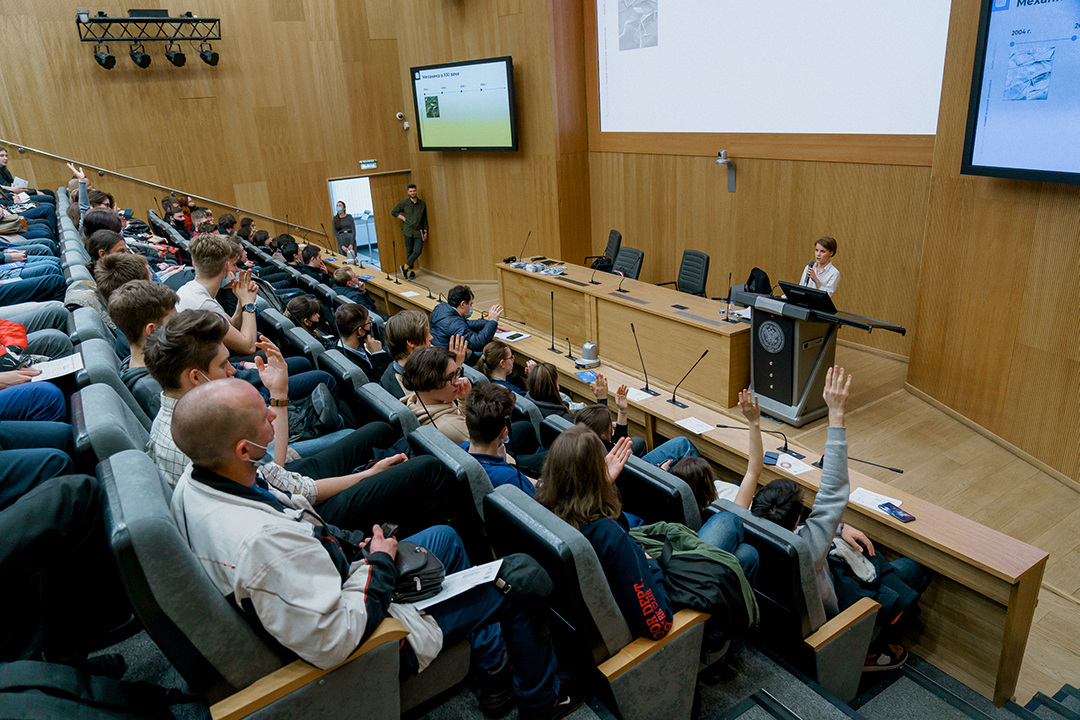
(829, 506)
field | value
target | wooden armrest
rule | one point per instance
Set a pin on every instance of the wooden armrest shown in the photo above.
(296, 674)
(642, 648)
(832, 629)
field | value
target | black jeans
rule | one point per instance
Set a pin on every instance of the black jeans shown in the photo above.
(61, 588)
(414, 494)
(413, 247)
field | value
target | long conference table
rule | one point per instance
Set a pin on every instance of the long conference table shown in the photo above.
(977, 613)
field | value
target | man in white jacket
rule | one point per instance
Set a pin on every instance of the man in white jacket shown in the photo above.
(306, 584)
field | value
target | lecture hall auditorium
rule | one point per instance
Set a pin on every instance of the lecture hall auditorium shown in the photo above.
(224, 163)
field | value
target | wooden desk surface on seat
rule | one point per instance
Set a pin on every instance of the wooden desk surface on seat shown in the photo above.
(673, 328)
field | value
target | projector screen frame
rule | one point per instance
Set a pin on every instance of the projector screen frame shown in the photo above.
(982, 39)
(513, 147)
(911, 150)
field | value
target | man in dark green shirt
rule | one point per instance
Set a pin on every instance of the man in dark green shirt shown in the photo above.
(412, 212)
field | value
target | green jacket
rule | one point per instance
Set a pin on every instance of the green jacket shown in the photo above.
(415, 216)
(685, 540)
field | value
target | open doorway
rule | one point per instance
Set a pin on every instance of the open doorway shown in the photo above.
(355, 193)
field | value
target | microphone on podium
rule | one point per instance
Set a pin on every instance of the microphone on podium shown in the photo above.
(645, 389)
(675, 402)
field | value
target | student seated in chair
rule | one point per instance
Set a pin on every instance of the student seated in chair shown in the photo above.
(306, 313)
(437, 387)
(598, 418)
(138, 308)
(781, 502)
(405, 332)
(341, 480)
(578, 485)
(312, 265)
(487, 416)
(449, 319)
(497, 363)
(307, 582)
(356, 341)
(347, 284)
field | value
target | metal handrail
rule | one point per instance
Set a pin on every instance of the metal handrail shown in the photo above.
(172, 191)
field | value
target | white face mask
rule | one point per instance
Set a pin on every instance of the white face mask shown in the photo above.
(267, 457)
(204, 376)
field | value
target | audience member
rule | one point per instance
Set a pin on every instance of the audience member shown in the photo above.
(46, 325)
(312, 265)
(119, 268)
(321, 597)
(357, 343)
(227, 224)
(436, 386)
(138, 308)
(306, 312)
(497, 363)
(405, 332)
(214, 258)
(449, 319)
(35, 439)
(347, 284)
(488, 408)
(542, 382)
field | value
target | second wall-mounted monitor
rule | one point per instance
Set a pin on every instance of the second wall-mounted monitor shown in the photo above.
(465, 106)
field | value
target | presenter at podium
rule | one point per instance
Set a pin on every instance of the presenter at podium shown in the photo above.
(821, 273)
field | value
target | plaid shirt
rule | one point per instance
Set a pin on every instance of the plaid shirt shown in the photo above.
(172, 463)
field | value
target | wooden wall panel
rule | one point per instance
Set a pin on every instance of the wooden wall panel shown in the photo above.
(664, 204)
(997, 337)
(304, 90)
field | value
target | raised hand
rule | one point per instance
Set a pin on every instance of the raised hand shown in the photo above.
(600, 388)
(529, 365)
(621, 401)
(616, 458)
(748, 404)
(495, 312)
(836, 393)
(460, 348)
(273, 372)
(78, 173)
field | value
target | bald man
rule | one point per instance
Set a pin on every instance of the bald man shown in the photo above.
(307, 581)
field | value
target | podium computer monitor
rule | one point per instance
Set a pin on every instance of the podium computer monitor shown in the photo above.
(808, 297)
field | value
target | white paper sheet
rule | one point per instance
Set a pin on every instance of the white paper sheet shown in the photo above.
(869, 499)
(459, 582)
(635, 395)
(409, 293)
(694, 425)
(58, 368)
(793, 465)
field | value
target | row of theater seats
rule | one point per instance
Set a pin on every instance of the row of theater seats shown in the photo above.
(219, 655)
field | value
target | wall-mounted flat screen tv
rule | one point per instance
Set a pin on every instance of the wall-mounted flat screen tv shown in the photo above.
(1024, 113)
(466, 105)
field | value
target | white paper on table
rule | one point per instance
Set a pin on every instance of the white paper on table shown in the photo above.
(870, 499)
(636, 395)
(459, 582)
(409, 293)
(58, 368)
(793, 465)
(694, 425)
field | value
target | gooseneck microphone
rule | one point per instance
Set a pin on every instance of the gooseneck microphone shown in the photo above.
(513, 258)
(784, 449)
(645, 389)
(619, 289)
(591, 280)
(393, 241)
(430, 296)
(675, 402)
(569, 350)
(819, 463)
(553, 348)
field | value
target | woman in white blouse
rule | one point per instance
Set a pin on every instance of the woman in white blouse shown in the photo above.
(821, 273)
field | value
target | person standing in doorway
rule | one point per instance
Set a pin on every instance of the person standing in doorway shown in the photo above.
(412, 212)
(344, 229)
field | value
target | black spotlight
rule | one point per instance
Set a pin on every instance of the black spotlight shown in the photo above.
(208, 55)
(104, 58)
(176, 57)
(139, 57)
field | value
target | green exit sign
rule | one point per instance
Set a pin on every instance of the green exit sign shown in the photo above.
(368, 164)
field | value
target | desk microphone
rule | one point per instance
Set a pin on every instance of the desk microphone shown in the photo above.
(645, 389)
(552, 348)
(619, 289)
(591, 280)
(784, 449)
(673, 401)
(569, 350)
(430, 296)
(818, 464)
(393, 241)
(513, 258)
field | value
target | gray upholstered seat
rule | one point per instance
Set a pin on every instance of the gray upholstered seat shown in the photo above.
(656, 495)
(693, 273)
(428, 440)
(103, 425)
(525, 409)
(78, 272)
(301, 342)
(550, 427)
(208, 641)
(474, 375)
(387, 408)
(662, 683)
(101, 366)
(273, 325)
(350, 378)
(792, 610)
(86, 324)
(628, 262)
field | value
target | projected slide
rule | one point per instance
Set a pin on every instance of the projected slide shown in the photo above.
(1029, 102)
(783, 66)
(464, 106)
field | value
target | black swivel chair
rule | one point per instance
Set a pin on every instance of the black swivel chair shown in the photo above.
(628, 262)
(693, 273)
(614, 242)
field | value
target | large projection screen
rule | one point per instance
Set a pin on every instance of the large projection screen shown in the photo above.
(1024, 114)
(711, 66)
